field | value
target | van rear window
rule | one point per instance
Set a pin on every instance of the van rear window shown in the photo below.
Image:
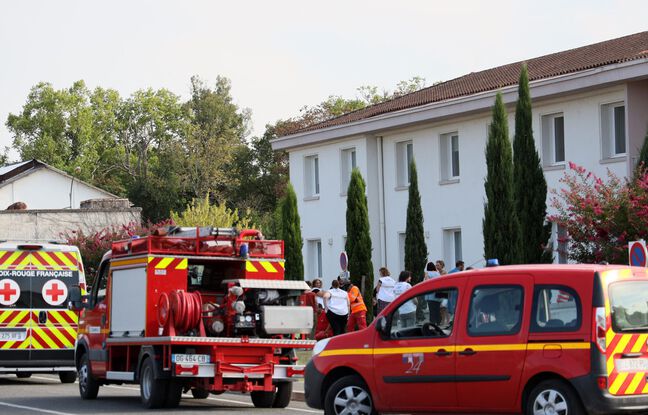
(629, 306)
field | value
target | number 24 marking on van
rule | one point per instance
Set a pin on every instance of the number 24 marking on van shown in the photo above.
(415, 361)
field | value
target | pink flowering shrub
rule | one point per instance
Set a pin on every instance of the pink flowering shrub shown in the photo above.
(601, 216)
(94, 245)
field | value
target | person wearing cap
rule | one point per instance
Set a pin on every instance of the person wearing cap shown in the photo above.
(358, 317)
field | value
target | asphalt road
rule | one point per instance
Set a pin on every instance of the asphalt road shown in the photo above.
(45, 394)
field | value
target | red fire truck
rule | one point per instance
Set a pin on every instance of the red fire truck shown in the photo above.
(205, 310)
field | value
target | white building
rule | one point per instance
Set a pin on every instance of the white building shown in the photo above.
(590, 106)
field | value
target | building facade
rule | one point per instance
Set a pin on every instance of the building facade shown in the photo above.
(590, 107)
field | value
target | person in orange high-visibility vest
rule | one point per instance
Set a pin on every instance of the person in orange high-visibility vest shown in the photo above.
(358, 317)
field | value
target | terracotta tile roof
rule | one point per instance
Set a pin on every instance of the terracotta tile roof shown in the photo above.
(618, 50)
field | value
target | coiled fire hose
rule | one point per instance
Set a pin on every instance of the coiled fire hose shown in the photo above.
(186, 308)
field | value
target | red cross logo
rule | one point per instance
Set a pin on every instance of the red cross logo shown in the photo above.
(9, 292)
(54, 292)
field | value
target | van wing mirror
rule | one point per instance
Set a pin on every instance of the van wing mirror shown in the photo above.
(75, 299)
(381, 325)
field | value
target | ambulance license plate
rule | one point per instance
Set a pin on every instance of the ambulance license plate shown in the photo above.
(631, 365)
(12, 335)
(190, 358)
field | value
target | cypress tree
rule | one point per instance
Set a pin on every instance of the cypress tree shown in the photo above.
(358, 243)
(529, 184)
(291, 235)
(500, 225)
(415, 249)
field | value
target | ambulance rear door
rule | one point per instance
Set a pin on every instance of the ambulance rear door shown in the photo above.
(16, 317)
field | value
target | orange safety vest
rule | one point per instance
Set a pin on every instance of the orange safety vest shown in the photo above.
(355, 298)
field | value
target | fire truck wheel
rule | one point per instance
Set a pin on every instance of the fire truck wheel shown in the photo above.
(262, 399)
(88, 386)
(198, 393)
(67, 377)
(174, 394)
(283, 395)
(553, 396)
(152, 391)
(349, 394)
(23, 375)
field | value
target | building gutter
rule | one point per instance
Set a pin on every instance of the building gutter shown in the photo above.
(540, 89)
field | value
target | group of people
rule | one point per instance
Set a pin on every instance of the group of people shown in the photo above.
(342, 308)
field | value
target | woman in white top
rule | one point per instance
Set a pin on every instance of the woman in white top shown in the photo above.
(337, 307)
(407, 311)
(385, 292)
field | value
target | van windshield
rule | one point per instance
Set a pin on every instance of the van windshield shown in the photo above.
(629, 305)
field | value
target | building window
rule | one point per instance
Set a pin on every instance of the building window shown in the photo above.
(314, 258)
(613, 130)
(449, 156)
(553, 139)
(452, 246)
(404, 156)
(311, 176)
(401, 250)
(347, 163)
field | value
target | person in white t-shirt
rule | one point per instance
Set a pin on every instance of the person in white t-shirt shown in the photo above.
(385, 292)
(337, 307)
(407, 311)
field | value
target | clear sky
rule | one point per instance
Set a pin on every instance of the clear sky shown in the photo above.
(282, 55)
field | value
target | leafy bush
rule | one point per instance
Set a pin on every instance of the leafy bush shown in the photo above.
(202, 213)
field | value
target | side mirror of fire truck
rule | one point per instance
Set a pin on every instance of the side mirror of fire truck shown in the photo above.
(75, 302)
(381, 326)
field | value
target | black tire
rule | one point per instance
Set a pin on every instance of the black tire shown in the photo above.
(556, 393)
(67, 377)
(262, 399)
(23, 375)
(361, 397)
(174, 394)
(88, 386)
(198, 393)
(283, 395)
(153, 392)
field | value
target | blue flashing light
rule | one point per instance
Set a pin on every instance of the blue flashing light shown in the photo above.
(135, 237)
(493, 262)
(244, 251)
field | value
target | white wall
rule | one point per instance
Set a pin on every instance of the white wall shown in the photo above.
(46, 189)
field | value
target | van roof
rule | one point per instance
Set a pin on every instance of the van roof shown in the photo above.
(46, 245)
(574, 269)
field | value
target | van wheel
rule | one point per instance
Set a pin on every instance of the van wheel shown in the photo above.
(67, 377)
(348, 395)
(553, 397)
(23, 375)
(283, 395)
(152, 391)
(88, 386)
(262, 399)
(174, 394)
(198, 393)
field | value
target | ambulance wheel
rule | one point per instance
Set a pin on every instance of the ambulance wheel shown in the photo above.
(283, 395)
(198, 393)
(67, 377)
(152, 391)
(262, 399)
(88, 386)
(174, 394)
(349, 394)
(23, 375)
(555, 397)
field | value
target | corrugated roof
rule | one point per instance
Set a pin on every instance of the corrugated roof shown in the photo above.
(613, 51)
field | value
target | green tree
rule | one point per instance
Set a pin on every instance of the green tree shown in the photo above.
(416, 252)
(291, 235)
(501, 229)
(529, 186)
(358, 243)
(201, 212)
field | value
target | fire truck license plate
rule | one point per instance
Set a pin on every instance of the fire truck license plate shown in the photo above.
(190, 358)
(8, 336)
(631, 365)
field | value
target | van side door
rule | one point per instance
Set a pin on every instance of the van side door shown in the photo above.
(492, 341)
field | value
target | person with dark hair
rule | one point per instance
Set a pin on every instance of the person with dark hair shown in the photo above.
(358, 315)
(407, 311)
(337, 307)
(459, 266)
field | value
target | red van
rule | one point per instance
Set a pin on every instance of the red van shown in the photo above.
(534, 339)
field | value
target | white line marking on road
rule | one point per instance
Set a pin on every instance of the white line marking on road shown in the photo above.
(31, 408)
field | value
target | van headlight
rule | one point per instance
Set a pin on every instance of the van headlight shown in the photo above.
(320, 346)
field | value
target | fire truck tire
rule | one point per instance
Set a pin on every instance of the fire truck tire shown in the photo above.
(153, 392)
(198, 393)
(553, 395)
(23, 375)
(88, 386)
(262, 399)
(347, 393)
(283, 395)
(67, 377)
(174, 394)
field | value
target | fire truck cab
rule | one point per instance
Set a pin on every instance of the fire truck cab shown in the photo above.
(203, 309)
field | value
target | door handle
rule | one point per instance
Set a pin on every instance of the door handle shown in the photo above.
(442, 352)
(631, 355)
(42, 317)
(468, 352)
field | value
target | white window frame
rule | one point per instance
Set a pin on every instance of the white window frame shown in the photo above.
(547, 128)
(404, 156)
(314, 252)
(311, 177)
(452, 242)
(608, 130)
(348, 162)
(450, 168)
